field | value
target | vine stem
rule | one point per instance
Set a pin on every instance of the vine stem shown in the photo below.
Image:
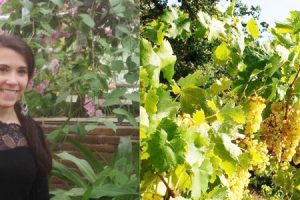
(290, 89)
(170, 191)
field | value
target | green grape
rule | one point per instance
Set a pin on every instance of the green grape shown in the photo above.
(282, 135)
(259, 154)
(254, 118)
(290, 136)
(271, 130)
(238, 184)
(296, 157)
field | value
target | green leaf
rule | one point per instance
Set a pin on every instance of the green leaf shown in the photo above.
(167, 58)
(27, 4)
(230, 8)
(283, 39)
(222, 54)
(204, 19)
(148, 56)
(170, 127)
(220, 86)
(62, 171)
(218, 193)
(117, 65)
(151, 102)
(166, 106)
(229, 112)
(297, 86)
(155, 32)
(162, 156)
(58, 2)
(283, 28)
(179, 23)
(62, 97)
(134, 96)
(216, 29)
(253, 29)
(232, 148)
(201, 179)
(195, 79)
(192, 98)
(113, 190)
(199, 117)
(88, 155)
(84, 167)
(88, 20)
(275, 63)
(144, 121)
(127, 114)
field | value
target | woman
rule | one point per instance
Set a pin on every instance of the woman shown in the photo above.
(25, 160)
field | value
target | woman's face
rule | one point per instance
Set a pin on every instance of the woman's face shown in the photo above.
(13, 77)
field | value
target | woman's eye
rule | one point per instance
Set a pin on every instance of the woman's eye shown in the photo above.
(3, 69)
(23, 71)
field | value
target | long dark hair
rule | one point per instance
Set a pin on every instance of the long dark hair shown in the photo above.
(32, 131)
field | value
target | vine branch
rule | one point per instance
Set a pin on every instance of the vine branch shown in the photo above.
(290, 89)
(170, 191)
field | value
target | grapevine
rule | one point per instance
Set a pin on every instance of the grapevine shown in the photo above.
(196, 142)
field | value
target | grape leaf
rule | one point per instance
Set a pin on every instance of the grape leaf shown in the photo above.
(167, 58)
(165, 155)
(148, 56)
(220, 85)
(221, 54)
(216, 29)
(166, 105)
(195, 79)
(253, 29)
(229, 112)
(192, 98)
(169, 126)
(199, 117)
(151, 102)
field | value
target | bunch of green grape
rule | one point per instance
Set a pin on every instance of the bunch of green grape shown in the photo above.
(271, 130)
(254, 118)
(238, 183)
(290, 136)
(259, 154)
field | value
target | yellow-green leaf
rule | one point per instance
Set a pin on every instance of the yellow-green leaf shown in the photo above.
(212, 105)
(222, 53)
(253, 29)
(199, 117)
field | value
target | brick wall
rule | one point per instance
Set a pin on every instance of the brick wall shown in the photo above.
(102, 140)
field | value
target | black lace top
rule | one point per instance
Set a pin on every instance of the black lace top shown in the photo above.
(19, 177)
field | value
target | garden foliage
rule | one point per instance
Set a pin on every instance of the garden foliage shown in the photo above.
(87, 55)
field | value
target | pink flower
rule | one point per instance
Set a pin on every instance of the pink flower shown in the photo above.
(41, 87)
(73, 10)
(90, 108)
(2, 2)
(98, 113)
(30, 84)
(108, 31)
(54, 66)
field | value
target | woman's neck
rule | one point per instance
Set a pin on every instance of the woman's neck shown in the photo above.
(8, 115)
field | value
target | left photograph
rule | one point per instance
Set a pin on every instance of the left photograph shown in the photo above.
(69, 99)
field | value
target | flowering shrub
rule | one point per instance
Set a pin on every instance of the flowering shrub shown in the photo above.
(86, 52)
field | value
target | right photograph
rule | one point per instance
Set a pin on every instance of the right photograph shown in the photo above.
(219, 100)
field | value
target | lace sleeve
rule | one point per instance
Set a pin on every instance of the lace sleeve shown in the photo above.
(11, 136)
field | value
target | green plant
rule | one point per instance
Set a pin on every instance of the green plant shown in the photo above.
(87, 55)
(117, 180)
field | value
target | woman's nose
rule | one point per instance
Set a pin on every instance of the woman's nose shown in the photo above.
(12, 78)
